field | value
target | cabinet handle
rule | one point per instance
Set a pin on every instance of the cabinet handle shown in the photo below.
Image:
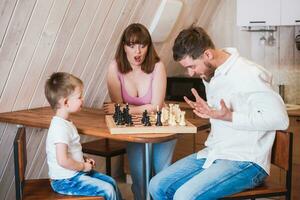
(297, 21)
(257, 22)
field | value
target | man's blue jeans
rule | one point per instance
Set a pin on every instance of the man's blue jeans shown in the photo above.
(88, 184)
(161, 158)
(186, 179)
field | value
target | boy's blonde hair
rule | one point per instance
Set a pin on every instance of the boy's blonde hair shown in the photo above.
(60, 85)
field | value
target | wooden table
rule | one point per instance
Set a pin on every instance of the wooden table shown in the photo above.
(89, 121)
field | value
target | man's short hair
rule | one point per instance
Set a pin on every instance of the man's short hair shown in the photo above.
(60, 85)
(191, 42)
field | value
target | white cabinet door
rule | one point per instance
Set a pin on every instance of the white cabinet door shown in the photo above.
(258, 12)
(290, 12)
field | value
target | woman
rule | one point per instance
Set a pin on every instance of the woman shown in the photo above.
(138, 77)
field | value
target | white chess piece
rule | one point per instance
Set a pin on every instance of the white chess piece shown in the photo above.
(182, 118)
(177, 111)
(172, 122)
(164, 115)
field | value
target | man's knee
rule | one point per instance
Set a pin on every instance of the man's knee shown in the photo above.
(110, 192)
(154, 187)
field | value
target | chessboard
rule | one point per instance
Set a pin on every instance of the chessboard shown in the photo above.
(139, 128)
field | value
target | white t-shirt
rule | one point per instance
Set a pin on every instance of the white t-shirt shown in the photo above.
(257, 112)
(62, 131)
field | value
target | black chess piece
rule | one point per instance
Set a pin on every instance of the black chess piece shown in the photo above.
(117, 112)
(119, 118)
(130, 123)
(147, 121)
(145, 114)
(125, 116)
(158, 119)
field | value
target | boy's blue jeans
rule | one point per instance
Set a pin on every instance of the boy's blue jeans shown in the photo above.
(186, 179)
(162, 154)
(90, 183)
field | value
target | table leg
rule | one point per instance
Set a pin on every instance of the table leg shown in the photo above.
(148, 163)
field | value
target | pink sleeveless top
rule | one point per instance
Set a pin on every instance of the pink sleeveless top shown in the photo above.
(138, 101)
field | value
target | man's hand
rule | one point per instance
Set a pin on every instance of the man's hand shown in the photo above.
(202, 109)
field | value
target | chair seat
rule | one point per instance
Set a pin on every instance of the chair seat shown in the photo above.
(41, 189)
(266, 189)
(104, 147)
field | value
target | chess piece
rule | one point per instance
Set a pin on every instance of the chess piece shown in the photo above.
(182, 118)
(145, 114)
(130, 123)
(164, 115)
(173, 120)
(176, 111)
(147, 121)
(117, 111)
(158, 119)
(119, 118)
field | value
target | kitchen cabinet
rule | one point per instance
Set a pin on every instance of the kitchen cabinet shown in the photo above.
(290, 14)
(268, 12)
(258, 12)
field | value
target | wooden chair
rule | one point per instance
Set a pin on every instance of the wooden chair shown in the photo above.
(105, 148)
(35, 188)
(282, 158)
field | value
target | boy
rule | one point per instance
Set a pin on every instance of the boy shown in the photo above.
(70, 172)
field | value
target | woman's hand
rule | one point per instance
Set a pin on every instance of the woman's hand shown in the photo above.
(109, 107)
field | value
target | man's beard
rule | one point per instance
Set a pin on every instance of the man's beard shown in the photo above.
(209, 73)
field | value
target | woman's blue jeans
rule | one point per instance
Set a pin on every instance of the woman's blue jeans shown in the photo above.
(186, 179)
(88, 184)
(162, 154)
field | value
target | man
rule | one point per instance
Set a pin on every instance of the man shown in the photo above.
(244, 113)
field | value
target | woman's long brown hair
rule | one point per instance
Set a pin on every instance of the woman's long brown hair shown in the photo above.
(136, 34)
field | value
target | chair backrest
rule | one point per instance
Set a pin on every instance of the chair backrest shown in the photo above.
(282, 150)
(282, 154)
(20, 160)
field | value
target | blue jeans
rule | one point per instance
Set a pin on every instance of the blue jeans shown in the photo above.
(88, 184)
(186, 179)
(162, 154)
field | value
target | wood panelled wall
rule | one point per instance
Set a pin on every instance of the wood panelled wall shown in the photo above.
(39, 37)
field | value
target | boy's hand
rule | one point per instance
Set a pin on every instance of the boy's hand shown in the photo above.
(87, 167)
(90, 160)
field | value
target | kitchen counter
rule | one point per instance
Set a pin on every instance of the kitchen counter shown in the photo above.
(294, 113)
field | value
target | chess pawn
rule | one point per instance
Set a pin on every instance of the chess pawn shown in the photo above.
(182, 118)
